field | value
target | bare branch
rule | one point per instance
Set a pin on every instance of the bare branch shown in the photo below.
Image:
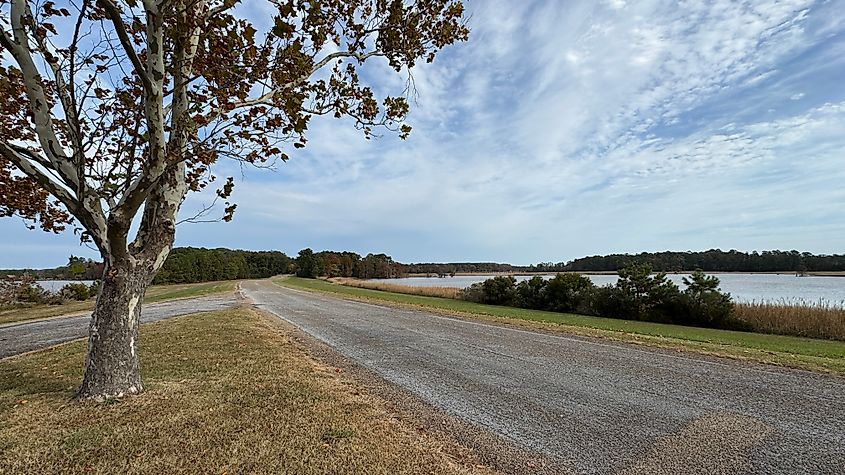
(114, 15)
(23, 159)
(18, 46)
(195, 219)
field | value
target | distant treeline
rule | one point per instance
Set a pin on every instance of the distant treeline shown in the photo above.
(77, 268)
(346, 264)
(191, 264)
(714, 260)
(461, 267)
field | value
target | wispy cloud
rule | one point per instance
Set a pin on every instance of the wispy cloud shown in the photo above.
(565, 129)
(597, 127)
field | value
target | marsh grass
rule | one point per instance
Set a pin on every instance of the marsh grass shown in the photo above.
(820, 319)
(442, 292)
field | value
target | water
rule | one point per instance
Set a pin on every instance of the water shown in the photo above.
(742, 287)
(56, 285)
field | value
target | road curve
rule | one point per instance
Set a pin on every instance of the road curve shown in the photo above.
(26, 336)
(596, 407)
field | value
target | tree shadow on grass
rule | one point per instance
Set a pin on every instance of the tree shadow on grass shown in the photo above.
(54, 371)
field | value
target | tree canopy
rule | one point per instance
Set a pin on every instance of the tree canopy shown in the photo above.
(346, 264)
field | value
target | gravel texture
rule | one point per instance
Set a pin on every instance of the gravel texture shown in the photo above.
(589, 405)
(33, 335)
(486, 448)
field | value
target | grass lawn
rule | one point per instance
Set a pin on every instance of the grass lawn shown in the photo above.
(156, 293)
(226, 392)
(806, 353)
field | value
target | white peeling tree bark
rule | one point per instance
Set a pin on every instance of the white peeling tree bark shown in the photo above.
(112, 364)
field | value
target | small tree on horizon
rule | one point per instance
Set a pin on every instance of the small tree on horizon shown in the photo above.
(112, 110)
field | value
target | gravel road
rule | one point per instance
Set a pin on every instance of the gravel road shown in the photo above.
(27, 336)
(594, 406)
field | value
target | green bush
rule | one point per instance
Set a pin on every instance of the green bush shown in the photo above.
(500, 290)
(31, 293)
(568, 293)
(474, 293)
(610, 301)
(530, 293)
(648, 296)
(703, 304)
(638, 295)
(75, 291)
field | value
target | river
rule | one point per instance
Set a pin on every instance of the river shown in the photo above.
(56, 285)
(742, 287)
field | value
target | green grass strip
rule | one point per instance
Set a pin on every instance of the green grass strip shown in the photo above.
(757, 341)
(180, 291)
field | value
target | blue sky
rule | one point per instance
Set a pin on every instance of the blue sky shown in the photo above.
(564, 129)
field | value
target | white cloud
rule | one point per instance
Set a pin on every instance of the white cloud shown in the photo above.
(587, 127)
(558, 132)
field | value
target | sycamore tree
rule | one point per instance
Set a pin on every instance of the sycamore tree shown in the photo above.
(112, 111)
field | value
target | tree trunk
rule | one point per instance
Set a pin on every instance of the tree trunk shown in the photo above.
(112, 366)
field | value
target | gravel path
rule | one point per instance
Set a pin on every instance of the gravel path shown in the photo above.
(594, 406)
(33, 335)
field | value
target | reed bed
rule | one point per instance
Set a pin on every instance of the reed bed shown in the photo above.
(443, 292)
(820, 319)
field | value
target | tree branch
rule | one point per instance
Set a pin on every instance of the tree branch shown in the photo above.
(114, 15)
(23, 159)
(66, 98)
(156, 164)
(266, 99)
(18, 46)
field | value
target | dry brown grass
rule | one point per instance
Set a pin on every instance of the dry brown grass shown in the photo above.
(812, 320)
(443, 292)
(34, 312)
(227, 392)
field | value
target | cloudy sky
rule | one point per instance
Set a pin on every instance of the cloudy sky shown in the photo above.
(564, 129)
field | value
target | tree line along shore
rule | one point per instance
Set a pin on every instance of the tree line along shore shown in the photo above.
(192, 264)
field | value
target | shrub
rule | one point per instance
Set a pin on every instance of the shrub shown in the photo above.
(638, 295)
(703, 304)
(31, 293)
(610, 301)
(94, 289)
(530, 293)
(568, 293)
(474, 293)
(75, 291)
(499, 290)
(650, 297)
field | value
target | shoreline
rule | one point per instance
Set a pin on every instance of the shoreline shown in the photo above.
(519, 274)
